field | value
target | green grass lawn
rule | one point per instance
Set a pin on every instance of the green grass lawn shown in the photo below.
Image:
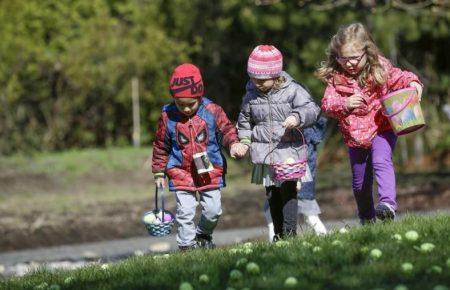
(76, 162)
(372, 257)
(75, 179)
(69, 166)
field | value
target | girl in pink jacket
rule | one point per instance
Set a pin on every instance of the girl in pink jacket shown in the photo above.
(357, 76)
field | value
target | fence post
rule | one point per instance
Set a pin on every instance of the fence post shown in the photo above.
(418, 150)
(136, 112)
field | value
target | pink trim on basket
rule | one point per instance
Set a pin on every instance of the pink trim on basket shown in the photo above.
(285, 171)
(396, 92)
(405, 103)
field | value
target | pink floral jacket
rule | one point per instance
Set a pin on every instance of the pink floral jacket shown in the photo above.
(359, 126)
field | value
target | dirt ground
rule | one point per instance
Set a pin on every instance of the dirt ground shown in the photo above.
(122, 220)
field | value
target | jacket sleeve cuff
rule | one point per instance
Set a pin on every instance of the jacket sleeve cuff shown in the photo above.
(159, 174)
(246, 141)
(244, 134)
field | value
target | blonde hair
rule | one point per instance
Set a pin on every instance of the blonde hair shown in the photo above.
(353, 33)
(278, 82)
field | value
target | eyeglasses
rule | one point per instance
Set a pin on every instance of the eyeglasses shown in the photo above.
(354, 60)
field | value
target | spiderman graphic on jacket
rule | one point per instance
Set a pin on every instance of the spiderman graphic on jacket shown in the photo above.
(179, 137)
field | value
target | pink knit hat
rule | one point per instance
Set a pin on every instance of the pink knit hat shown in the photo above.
(265, 62)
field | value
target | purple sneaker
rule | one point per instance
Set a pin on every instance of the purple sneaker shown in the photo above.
(384, 212)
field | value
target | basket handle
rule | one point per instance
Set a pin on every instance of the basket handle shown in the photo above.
(159, 190)
(404, 105)
(301, 133)
(303, 139)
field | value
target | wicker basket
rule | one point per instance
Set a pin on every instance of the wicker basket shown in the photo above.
(162, 228)
(291, 170)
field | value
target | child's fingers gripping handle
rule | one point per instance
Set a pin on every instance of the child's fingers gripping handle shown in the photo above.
(418, 88)
(160, 182)
(159, 196)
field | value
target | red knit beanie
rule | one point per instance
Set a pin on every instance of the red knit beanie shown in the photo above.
(186, 82)
(265, 62)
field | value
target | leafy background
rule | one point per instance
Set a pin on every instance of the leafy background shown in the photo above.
(66, 66)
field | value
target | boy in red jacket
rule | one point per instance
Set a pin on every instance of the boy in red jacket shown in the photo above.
(187, 150)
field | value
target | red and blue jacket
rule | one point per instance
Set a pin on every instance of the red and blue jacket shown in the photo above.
(179, 137)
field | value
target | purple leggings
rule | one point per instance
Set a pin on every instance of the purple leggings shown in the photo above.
(365, 162)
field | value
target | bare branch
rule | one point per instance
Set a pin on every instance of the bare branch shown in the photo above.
(330, 5)
(265, 2)
(411, 67)
(411, 6)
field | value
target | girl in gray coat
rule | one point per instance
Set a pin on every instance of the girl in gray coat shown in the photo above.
(307, 203)
(273, 109)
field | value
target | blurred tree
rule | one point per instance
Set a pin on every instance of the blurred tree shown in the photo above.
(66, 66)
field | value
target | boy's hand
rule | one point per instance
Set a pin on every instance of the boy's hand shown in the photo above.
(290, 122)
(418, 88)
(238, 150)
(354, 101)
(160, 182)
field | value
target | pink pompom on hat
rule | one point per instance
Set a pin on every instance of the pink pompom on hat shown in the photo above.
(265, 62)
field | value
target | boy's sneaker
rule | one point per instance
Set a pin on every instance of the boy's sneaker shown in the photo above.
(188, 248)
(384, 211)
(367, 221)
(205, 241)
(289, 234)
(277, 238)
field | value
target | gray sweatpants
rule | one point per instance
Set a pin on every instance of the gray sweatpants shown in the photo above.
(186, 207)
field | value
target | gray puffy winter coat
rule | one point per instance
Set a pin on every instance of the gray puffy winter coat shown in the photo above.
(261, 117)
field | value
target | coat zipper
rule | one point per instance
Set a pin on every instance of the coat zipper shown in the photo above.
(192, 140)
(191, 126)
(271, 128)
